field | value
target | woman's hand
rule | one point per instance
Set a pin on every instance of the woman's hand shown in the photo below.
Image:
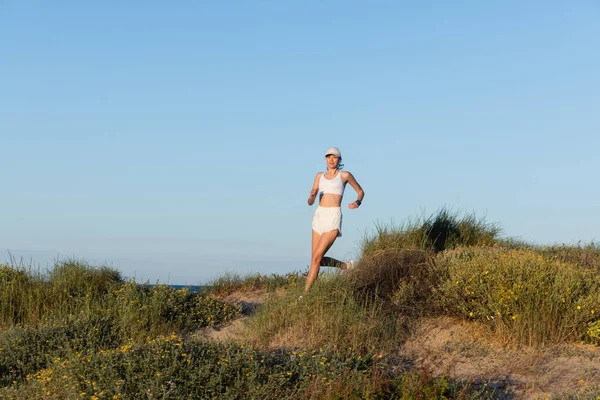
(312, 197)
(359, 191)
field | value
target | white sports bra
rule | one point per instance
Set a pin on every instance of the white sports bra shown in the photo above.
(332, 186)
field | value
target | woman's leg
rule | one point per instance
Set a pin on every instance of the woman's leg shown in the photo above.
(327, 261)
(321, 246)
(315, 241)
(332, 262)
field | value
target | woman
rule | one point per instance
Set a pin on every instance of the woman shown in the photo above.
(327, 220)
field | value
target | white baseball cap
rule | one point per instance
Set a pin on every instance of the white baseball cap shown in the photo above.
(335, 151)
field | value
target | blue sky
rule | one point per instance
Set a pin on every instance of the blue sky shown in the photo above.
(178, 142)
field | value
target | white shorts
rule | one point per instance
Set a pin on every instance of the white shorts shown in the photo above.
(327, 219)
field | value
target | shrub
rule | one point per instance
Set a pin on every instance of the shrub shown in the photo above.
(129, 314)
(532, 299)
(168, 367)
(26, 350)
(593, 332)
(158, 309)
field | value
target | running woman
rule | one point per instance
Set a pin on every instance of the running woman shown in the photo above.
(327, 220)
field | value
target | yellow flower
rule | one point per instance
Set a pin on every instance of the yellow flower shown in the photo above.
(579, 307)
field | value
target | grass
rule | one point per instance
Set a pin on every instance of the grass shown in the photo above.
(105, 337)
(77, 309)
(229, 283)
(80, 331)
(75, 288)
(583, 255)
(331, 315)
(451, 264)
(442, 230)
(26, 296)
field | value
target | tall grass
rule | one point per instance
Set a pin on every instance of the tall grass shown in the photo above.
(22, 296)
(585, 255)
(75, 278)
(230, 283)
(332, 315)
(440, 231)
(27, 296)
(404, 278)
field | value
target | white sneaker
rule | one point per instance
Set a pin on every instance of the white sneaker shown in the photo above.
(350, 264)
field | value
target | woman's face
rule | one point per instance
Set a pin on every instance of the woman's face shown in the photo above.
(332, 160)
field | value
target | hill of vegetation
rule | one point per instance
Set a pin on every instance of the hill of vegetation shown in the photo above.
(441, 307)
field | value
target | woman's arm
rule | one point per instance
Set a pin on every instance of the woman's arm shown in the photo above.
(359, 191)
(314, 190)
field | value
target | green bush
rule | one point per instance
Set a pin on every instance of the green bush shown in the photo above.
(93, 316)
(169, 367)
(533, 299)
(158, 309)
(26, 350)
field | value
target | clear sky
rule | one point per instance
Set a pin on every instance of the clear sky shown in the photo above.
(179, 140)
